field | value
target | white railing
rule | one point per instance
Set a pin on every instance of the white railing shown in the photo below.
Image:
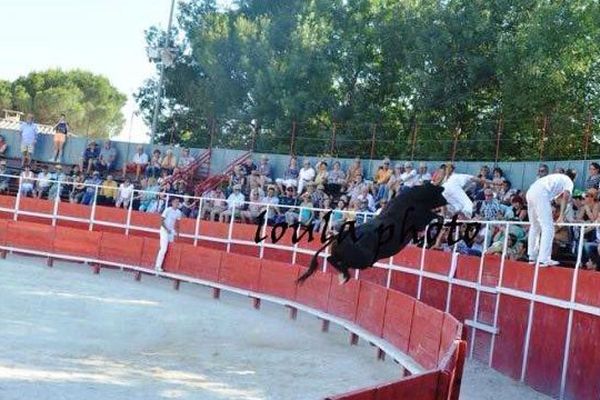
(499, 289)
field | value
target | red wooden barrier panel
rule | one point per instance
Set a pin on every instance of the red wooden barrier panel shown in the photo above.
(546, 348)
(3, 231)
(584, 368)
(434, 293)
(467, 268)
(416, 387)
(462, 302)
(214, 229)
(359, 394)
(450, 333)
(29, 235)
(555, 282)
(587, 288)
(74, 211)
(371, 307)
(518, 275)
(437, 261)
(278, 279)
(120, 248)
(240, 271)
(77, 242)
(7, 202)
(314, 292)
(200, 262)
(405, 283)
(399, 311)
(512, 325)
(425, 335)
(149, 252)
(409, 257)
(112, 215)
(375, 275)
(37, 206)
(343, 299)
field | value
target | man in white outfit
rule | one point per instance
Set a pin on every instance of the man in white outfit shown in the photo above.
(539, 200)
(454, 191)
(169, 228)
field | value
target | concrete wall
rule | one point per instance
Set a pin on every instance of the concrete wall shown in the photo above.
(521, 174)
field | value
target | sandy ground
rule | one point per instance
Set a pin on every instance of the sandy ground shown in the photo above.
(68, 334)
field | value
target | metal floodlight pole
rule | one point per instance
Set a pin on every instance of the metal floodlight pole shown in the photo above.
(162, 77)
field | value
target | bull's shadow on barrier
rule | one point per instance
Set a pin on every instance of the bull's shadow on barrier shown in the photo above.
(404, 221)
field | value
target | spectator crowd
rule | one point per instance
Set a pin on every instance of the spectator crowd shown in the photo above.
(146, 182)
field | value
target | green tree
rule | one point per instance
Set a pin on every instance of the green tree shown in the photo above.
(92, 105)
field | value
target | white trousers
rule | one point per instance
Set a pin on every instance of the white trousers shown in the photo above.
(541, 231)
(458, 201)
(165, 239)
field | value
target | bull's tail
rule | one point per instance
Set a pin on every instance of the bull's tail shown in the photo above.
(314, 262)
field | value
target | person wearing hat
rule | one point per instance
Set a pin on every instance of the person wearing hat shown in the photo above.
(422, 175)
(43, 182)
(90, 156)
(307, 174)
(58, 185)
(90, 188)
(235, 203)
(265, 170)
(29, 133)
(4, 178)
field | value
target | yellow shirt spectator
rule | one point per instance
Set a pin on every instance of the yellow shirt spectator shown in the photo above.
(109, 188)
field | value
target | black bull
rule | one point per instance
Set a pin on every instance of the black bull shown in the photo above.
(385, 235)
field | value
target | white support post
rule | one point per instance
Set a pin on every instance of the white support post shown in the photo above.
(197, 227)
(500, 280)
(230, 233)
(452, 270)
(55, 207)
(129, 210)
(263, 233)
(93, 213)
(388, 282)
(565, 364)
(18, 200)
(422, 263)
(478, 291)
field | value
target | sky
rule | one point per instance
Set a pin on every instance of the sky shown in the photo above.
(103, 36)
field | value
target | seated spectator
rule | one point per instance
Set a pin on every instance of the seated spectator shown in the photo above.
(108, 191)
(383, 174)
(59, 186)
(307, 174)
(251, 213)
(393, 186)
(155, 166)
(248, 166)
(214, 203)
(322, 175)
(319, 221)
(43, 182)
(318, 196)
(138, 163)
(476, 187)
(107, 158)
(169, 162)
(354, 170)
(3, 147)
(498, 246)
(185, 159)
(235, 204)
(237, 177)
(265, 171)
(409, 177)
(338, 216)
(356, 187)
(290, 178)
(422, 175)
(593, 179)
(562, 243)
(4, 177)
(90, 190)
(147, 192)
(27, 181)
(287, 202)
(90, 157)
(380, 206)
(254, 184)
(179, 187)
(506, 192)
(362, 211)
(77, 189)
(306, 214)
(590, 209)
(337, 180)
(270, 202)
(189, 207)
(519, 209)
(125, 194)
(488, 208)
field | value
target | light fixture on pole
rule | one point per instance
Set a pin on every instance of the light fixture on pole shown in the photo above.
(166, 57)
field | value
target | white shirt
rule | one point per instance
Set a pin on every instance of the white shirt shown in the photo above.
(307, 174)
(423, 177)
(140, 159)
(28, 133)
(235, 199)
(457, 181)
(409, 178)
(552, 185)
(171, 215)
(125, 192)
(44, 179)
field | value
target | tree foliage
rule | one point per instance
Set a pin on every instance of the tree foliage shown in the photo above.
(351, 69)
(92, 105)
